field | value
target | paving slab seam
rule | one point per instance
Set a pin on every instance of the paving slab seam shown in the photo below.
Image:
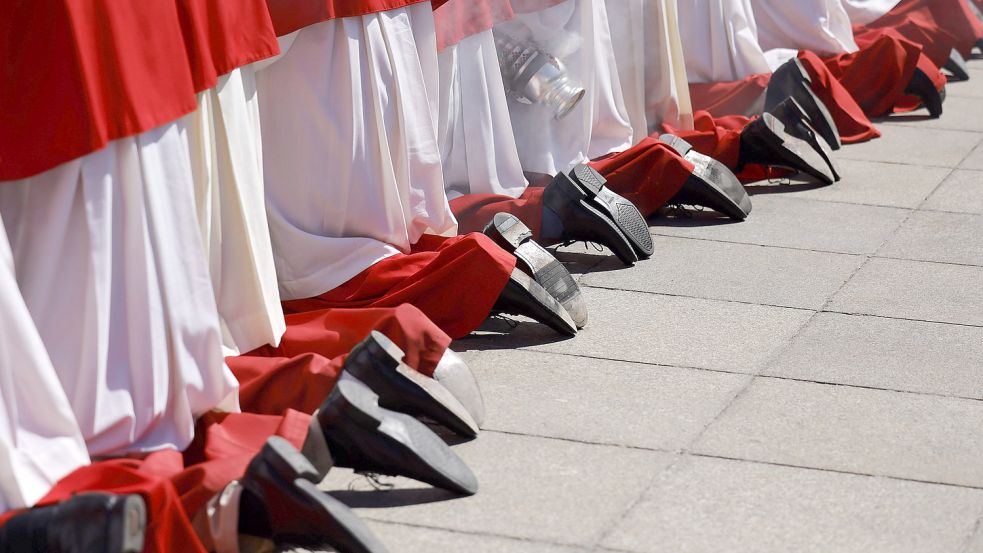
(654, 365)
(789, 195)
(813, 250)
(968, 541)
(833, 471)
(929, 261)
(521, 539)
(893, 318)
(583, 442)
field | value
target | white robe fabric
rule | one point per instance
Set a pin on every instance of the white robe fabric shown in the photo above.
(40, 441)
(477, 144)
(720, 39)
(352, 165)
(227, 162)
(577, 32)
(110, 263)
(785, 28)
(651, 65)
(863, 12)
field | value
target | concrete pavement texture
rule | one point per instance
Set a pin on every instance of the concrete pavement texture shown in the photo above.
(808, 380)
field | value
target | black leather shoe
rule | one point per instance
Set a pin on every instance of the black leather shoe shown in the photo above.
(764, 141)
(797, 124)
(522, 295)
(979, 43)
(378, 363)
(583, 220)
(455, 375)
(956, 65)
(711, 185)
(280, 500)
(618, 209)
(922, 87)
(87, 522)
(515, 237)
(367, 438)
(791, 80)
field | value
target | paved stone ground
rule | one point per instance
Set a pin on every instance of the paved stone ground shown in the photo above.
(809, 380)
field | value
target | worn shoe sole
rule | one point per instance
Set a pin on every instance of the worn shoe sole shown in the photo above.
(126, 533)
(524, 296)
(407, 388)
(618, 209)
(811, 136)
(798, 154)
(408, 444)
(728, 194)
(515, 237)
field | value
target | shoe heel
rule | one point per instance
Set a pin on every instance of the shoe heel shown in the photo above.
(127, 524)
(508, 231)
(286, 462)
(356, 401)
(588, 178)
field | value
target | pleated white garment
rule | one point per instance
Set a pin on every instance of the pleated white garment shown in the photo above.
(477, 145)
(40, 441)
(577, 32)
(227, 163)
(651, 65)
(720, 39)
(785, 28)
(862, 12)
(110, 263)
(352, 164)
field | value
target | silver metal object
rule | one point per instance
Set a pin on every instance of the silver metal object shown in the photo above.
(534, 77)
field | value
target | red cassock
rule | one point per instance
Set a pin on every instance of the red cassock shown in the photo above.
(937, 26)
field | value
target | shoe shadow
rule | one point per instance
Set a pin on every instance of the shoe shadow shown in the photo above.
(384, 499)
(497, 334)
(904, 118)
(675, 217)
(792, 187)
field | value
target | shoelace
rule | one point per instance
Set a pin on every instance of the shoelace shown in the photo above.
(374, 480)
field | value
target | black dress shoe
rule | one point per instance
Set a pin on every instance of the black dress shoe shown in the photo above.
(378, 363)
(924, 89)
(979, 43)
(765, 141)
(956, 65)
(583, 219)
(711, 185)
(367, 438)
(87, 522)
(522, 295)
(797, 124)
(455, 375)
(618, 209)
(791, 80)
(280, 500)
(515, 237)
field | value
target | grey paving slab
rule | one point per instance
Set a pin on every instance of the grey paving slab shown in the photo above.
(738, 272)
(884, 353)
(825, 226)
(914, 290)
(970, 88)
(875, 183)
(974, 160)
(959, 113)
(531, 488)
(410, 539)
(714, 505)
(649, 328)
(975, 543)
(595, 401)
(962, 191)
(943, 237)
(915, 145)
(914, 436)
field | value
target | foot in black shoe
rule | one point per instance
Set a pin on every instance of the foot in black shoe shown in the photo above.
(791, 80)
(765, 142)
(711, 185)
(922, 87)
(455, 375)
(624, 213)
(522, 295)
(86, 522)
(378, 363)
(367, 438)
(582, 220)
(797, 124)
(956, 65)
(280, 501)
(514, 237)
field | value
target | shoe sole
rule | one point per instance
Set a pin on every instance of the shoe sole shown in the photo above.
(817, 111)
(719, 180)
(355, 401)
(539, 305)
(625, 214)
(450, 412)
(956, 65)
(812, 138)
(516, 238)
(803, 154)
(127, 533)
